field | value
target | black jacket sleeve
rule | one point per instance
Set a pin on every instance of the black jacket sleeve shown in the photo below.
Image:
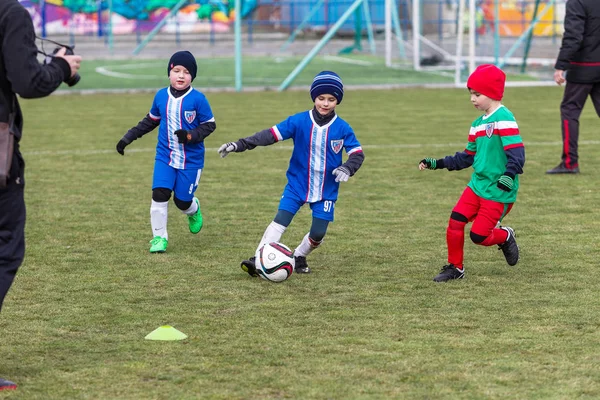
(573, 37)
(144, 126)
(202, 131)
(458, 161)
(262, 138)
(354, 162)
(516, 161)
(27, 76)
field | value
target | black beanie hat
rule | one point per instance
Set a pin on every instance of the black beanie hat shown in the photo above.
(185, 59)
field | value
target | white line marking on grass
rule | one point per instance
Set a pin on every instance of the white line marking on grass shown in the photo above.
(104, 70)
(371, 146)
(348, 61)
(108, 70)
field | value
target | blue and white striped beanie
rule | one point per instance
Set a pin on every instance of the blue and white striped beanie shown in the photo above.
(327, 82)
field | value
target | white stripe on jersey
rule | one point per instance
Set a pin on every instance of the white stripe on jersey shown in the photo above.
(354, 150)
(317, 161)
(174, 123)
(277, 133)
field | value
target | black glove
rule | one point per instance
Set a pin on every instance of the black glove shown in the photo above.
(121, 147)
(432, 163)
(183, 136)
(506, 182)
(186, 137)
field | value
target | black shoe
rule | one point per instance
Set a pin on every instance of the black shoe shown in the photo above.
(301, 266)
(249, 266)
(7, 385)
(510, 248)
(449, 272)
(562, 169)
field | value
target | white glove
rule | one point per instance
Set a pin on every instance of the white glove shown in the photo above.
(227, 148)
(341, 174)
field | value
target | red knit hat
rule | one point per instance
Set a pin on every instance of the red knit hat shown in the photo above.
(488, 80)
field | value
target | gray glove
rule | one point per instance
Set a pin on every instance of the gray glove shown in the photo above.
(227, 148)
(342, 174)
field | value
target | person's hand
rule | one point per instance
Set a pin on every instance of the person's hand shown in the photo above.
(183, 136)
(342, 174)
(74, 60)
(227, 148)
(559, 76)
(427, 163)
(505, 183)
(121, 147)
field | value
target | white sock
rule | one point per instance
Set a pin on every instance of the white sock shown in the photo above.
(306, 247)
(158, 218)
(193, 208)
(273, 233)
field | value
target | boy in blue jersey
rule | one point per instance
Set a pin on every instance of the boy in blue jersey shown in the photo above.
(185, 119)
(315, 170)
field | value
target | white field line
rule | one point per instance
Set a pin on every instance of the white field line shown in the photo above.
(348, 61)
(458, 146)
(107, 70)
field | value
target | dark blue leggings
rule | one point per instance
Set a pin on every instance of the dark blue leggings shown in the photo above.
(317, 229)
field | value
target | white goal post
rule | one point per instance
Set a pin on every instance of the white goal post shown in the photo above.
(468, 39)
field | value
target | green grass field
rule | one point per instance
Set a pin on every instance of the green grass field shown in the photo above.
(256, 72)
(369, 323)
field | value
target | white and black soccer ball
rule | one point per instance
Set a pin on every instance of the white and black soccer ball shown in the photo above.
(274, 262)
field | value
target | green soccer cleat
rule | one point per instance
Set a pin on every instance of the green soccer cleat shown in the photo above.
(158, 245)
(195, 221)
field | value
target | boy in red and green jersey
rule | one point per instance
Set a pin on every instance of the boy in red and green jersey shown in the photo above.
(496, 153)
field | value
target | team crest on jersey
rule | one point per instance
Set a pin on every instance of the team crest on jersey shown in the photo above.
(190, 116)
(336, 145)
(489, 129)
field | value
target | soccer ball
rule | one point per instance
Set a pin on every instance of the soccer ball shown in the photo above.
(274, 262)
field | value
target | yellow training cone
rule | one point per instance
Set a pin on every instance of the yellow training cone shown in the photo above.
(166, 332)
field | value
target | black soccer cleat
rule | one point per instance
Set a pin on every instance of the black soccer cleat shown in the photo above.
(301, 266)
(510, 248)
(449, 272)
(7, 385)
(562, 169)
(249, 266)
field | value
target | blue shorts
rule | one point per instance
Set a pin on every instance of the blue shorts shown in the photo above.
(290, 202)
(183, 182)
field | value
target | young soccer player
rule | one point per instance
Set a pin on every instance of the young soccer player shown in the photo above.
(315, 170)
(185, 119)
(496, 153)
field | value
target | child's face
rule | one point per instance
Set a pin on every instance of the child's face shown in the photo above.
(480, 101)
(325, 103)
(180, 77)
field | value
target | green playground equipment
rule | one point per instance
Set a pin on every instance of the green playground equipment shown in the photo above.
(358, 16)
(354, 8)
(357, 45)
(158, 26)
(527, 35)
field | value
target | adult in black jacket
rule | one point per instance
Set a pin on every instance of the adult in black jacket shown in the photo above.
(22, 74)
(579, 60)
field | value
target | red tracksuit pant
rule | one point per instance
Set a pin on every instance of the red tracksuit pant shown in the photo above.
(485, 215)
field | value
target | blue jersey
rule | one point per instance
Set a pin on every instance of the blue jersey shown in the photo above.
(317, 152)
(184, 112)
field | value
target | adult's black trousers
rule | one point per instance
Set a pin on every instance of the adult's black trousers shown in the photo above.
(12, 234)
(571, 107)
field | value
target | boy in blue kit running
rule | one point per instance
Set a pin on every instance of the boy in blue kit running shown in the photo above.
(315, 170)
(185, 119)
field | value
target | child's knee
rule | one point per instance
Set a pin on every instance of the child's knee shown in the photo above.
(181, 204)
(160, 195)
(477, 238)
(457, 221)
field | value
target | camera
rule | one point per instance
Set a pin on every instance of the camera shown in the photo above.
(71, 80)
